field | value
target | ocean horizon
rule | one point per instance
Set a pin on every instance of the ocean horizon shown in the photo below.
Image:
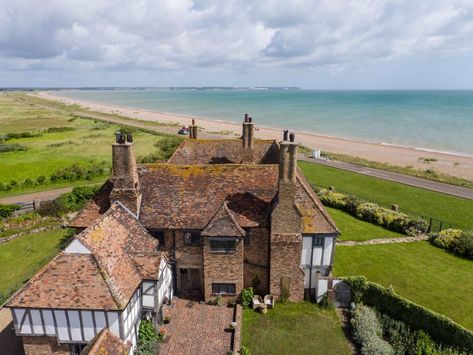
(438, 120)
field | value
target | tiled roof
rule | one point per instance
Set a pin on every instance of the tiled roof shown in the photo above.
(106, 343)
(104, 279)
(223, 223)
(188, 196)
(68, 281)
(96, 207)
(223, 151)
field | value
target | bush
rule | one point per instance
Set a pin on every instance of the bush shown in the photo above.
(367, 331)
(247, 297)
(60, 129)
(244, 351)
(168, 145)
(11, 147)
(373, 213)
(442, 329)
(147, 339)
(455, 240)
(7, 210)
(71, 201)
(19, 135)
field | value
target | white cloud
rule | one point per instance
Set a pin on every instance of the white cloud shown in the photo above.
(179, 35)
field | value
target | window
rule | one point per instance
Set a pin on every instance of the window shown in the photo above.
(222, 245)
(228, 289)
(192, 238)
(159, 235)
(318, 241)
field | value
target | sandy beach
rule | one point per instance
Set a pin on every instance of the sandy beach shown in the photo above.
(447, 163)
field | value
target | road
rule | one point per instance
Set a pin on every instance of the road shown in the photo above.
(42, 196)
(448, 189)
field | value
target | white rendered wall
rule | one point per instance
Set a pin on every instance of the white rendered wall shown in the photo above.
(76, 247)
(328, 251)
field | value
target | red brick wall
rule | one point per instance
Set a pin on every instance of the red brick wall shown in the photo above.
(257, 253)
(44, 346)
(222, 268)
(285, 260)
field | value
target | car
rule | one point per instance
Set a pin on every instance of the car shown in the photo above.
(183, 131)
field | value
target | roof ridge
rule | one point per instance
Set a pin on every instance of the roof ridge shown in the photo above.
(117, 298)
(232, 217)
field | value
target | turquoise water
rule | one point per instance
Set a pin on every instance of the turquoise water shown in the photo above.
(437, 120)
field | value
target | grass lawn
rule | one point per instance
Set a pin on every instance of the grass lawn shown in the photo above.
(295, 328)
(411, 200)
(87, 143)
(418, 271)
(23, 257)
(357, 230)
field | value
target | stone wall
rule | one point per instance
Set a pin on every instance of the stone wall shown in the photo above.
(44, 346)
(285, 265)
(256, 257)
(222, 268)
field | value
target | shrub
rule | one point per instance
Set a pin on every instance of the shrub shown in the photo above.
(60, 129)
(168, 145)
(464, 245)
(455, 240)
(373, 213)
(7, 210)
(147, 339)
(367, 331)
(19, 135)
(247, 297)
(71, 201)
(442, 329)
(285, 294)
(11, 147)
(244, 351)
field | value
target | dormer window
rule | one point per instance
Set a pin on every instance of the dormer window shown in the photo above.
(192, 238)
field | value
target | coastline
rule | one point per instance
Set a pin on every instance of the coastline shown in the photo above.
(451, 163)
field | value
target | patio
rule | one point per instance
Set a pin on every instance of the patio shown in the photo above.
(199, 328)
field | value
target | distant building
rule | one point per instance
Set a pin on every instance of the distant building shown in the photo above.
(228, 214)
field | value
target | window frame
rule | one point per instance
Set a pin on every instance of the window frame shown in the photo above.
(226, 285)
(318, 242)
(193, 233)
(225, 250)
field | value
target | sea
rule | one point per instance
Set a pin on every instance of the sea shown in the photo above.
(432, 120)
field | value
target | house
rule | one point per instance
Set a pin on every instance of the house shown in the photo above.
(229, 214)
(105, 281)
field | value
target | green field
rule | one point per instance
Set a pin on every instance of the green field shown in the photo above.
(23, 257)
(357, 230)
(418, 271)
(412, 200)
(295, 328)
(86, 143)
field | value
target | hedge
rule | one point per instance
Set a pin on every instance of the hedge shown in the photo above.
(7, 210)
(371, 212)
(442, 329)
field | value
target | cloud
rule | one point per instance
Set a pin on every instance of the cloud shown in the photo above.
(178, 35)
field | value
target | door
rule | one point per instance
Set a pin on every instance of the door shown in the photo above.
(190, 281)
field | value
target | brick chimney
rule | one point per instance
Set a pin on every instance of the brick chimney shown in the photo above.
(248, 140)
(126, 186)
(285, 272)
(193, 129)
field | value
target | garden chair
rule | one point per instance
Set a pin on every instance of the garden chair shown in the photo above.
(269, 301)
(257, 301)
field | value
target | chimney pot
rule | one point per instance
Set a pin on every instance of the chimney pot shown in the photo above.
(250, 119)
(246, 117)
(292, 136)
(129, 138)
(286, 132)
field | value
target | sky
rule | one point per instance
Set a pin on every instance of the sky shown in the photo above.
(326, 44)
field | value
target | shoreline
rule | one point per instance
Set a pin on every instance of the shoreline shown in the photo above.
(450, 163)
